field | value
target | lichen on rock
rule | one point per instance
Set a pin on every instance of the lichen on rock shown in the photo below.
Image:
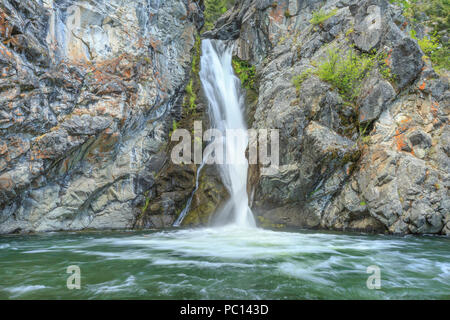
(375, 163)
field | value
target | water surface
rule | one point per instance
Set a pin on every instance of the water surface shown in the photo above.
(223, 263)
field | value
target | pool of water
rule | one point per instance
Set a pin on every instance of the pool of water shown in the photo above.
(224, 263)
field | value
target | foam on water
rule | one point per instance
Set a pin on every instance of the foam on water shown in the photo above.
(230, 262)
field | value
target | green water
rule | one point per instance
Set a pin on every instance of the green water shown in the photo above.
(223, 263)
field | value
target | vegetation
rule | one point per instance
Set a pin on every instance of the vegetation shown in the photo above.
(174, 127)
(214, 9)
(191, 97)
(297, 81)
(437, 12)
(441, 57)
(345, 71)
(436, 15)
(435, 50)
(383, 65)
(197, 54)
(245, 71)
(319, 17)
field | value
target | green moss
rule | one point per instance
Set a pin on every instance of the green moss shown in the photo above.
(147, 202)
(197, 54)
(319, 17)
(190, 97)
(245, 71)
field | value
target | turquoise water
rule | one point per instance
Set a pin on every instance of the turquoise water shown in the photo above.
(227, 263)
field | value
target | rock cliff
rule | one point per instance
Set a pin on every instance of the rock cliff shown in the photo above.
(89, 91)
(372, 158)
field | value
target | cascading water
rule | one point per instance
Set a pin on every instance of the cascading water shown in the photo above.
(226, 107)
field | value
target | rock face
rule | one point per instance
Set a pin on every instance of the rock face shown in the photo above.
(377, 164)
(89, 90)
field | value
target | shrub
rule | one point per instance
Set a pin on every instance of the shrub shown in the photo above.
(436, 15)
(441, 57)
(318, 17)
(428, 44)
(437, 12)
(345, 71)
(438, 52)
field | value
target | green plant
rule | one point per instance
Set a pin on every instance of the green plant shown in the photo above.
(441, 57)
(174, 127)
(214, 9)
(345, 71)
(429, 44)
(409, 7)
(434, 13)
(191, 97)
(298, 80)
(144, 208)
(383, 66)
(245, 71)
(197, 54)
(366, 140)
(318, 17)
(438, 52)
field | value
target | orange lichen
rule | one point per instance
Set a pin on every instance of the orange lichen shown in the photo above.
(434, 108)
(277, 13)
(399, 140)
(422, 86)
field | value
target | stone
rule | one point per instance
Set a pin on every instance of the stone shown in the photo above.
(375, 102)
(88, 96)
(333, 173)
(368, 28)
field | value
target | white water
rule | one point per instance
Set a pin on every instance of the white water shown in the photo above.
(226, 108)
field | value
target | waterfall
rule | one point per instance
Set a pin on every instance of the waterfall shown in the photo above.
(226, 110)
